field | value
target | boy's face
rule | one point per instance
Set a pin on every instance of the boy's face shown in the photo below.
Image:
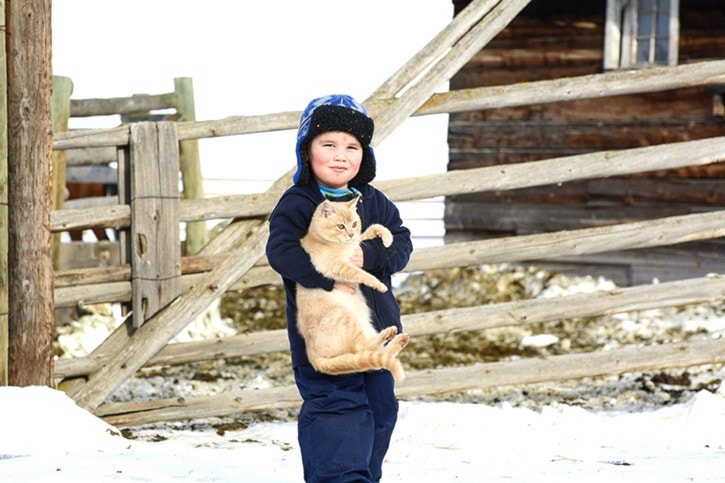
(335, 158)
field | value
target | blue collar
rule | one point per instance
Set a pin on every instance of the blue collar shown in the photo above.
(343, 194)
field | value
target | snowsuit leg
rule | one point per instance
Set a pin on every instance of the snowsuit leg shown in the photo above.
(339, 437)
(379, 386)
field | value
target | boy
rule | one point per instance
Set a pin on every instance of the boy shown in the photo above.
(346, 422)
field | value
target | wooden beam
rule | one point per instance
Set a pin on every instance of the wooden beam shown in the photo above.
(197, 234)
(508, 314)
(4, 222)
(30, 127)
(659, 232)
(137, 413)
(60, 110)
(532, 311)
(654, 79)
(494, 178)
(155, 246)
(92, 174)
(491, 252)
(91, 156)
(121, 105)
(427, 56)
(617, 83)
(565, 367)
(495, 19)
(451, 379)
(599, 164)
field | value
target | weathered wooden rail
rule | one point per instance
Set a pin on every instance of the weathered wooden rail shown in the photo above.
(670, 294)
(234, 259)
(523, 371)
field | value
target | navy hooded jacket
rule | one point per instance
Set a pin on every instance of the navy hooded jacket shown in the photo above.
(289, 223)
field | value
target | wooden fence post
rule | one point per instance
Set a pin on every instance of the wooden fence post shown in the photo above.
(3, 206)
(155, 247)
(31, 324)
(197, 234)
(60, 109)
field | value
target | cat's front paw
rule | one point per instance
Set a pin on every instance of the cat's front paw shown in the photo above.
(387, 238)
(380, 287)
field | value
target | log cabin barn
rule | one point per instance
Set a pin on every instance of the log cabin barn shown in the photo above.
(553, 39)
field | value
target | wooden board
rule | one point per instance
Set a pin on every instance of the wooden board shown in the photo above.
(156, 249)
(450, 379)
(507, 314)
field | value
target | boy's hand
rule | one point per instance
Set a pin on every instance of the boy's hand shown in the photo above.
(357, 258)
(347, 287)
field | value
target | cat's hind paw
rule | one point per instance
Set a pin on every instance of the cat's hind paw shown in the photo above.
(389, 332)
(402, 340)
(396, 345)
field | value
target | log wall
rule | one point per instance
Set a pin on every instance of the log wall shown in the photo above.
(564, 38)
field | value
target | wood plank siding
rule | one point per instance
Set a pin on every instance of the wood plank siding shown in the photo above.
(552, 39)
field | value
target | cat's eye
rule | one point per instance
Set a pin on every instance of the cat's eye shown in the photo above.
(340, 226)
(354, 224)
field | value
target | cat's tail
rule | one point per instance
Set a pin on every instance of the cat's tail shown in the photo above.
(360, 362)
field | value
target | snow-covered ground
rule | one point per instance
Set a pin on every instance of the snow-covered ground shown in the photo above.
(617, 429)
(45, 437)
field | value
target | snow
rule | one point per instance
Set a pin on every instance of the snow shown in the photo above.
(45, 437)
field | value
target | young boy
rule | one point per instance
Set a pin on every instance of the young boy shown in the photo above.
(346, 421)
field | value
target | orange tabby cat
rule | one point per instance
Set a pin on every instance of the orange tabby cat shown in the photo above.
(336, 326)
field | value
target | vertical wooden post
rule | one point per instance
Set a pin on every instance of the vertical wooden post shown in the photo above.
(197, 234)
(3, 206)
(31, 323)
(155, 246)
(60, 109)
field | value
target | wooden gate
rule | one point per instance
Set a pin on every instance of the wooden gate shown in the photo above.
(234, 259)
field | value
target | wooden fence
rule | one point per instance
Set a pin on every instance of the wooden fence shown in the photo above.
(92, 165)
(234, 259)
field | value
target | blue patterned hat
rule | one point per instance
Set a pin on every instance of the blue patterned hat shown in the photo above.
(336, 112)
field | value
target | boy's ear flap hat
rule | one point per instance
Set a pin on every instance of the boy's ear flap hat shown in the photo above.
(336, 112)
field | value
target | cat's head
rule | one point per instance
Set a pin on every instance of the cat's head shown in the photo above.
(337, 221)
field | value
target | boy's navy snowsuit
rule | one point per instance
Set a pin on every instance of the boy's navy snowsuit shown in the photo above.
(346, 422)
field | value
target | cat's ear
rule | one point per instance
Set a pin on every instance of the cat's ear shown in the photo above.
(327, 209)
(353, 202)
